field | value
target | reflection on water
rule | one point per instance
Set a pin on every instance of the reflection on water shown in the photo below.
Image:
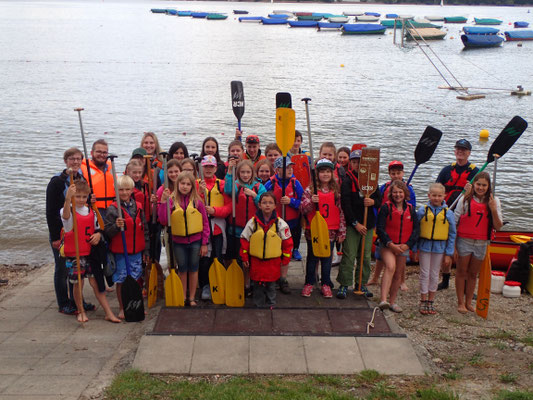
(134, 71)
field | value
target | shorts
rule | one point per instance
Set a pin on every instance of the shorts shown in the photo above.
(136, 267)
(72, 268)
(466, 246)
(187, 256)
(404, 254)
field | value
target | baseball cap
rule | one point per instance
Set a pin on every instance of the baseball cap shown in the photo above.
(325, 163)
(139, 151)
(209, 160)
(279, 162)
(252, 139)
(396, 165)
(355, 154)
(463, 143)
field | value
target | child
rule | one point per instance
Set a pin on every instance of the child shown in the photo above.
(178, 150)
(266, 245)
(218, 207)
(188, 165)
(328, 202)
(328, 150)
(141, 194)
(235, 150)
(476, 216)
(343, 157)
(353, 206)
(88, 236)
(291, 201)
(136, 232)
(437, 239)
(190, 230)
(264, 171)
(297, 146)
(397, 230)
(272, 152)
(173, 171)
(210, 147)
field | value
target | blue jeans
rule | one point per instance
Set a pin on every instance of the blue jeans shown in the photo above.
(187, 255)
(325, 266)
(60, 281)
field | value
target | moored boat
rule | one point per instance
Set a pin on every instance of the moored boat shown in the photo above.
(455, 20)
(332, 26)
(389, 23)
(309, 17)
(184, 13)
(199, 14)
(521, 24)
(216, 16)
(273, 21)
(363, 29)
(374, 14)
(503, 248)
(487, 21)
(426, 34)
(159, 10)
(303, 24)
(282, 12)
(480, 30)
(301, 14)
(339, 20)
(519, 35)
(391, 15)
(366, 18)
(480, 41)
(279, 16)
(434, 18)
(250, 19)
(171, 11)
(240, 12)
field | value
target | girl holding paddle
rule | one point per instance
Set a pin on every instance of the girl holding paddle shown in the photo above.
(327, 199)
(477, 214)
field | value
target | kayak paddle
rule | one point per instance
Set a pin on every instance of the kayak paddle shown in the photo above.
(237, 100)
(152, 278)
(358, 146)
(285, 127)
(425, 148)
(301, 169)
(230, 282)
(483, 287)
(283, 100)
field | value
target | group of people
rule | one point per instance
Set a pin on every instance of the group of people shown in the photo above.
(252, 208)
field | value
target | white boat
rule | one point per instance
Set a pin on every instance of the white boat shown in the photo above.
(434, 18)
(366, 18)
(341, 20)
(353, 13)
(283, 12)
(406, 16)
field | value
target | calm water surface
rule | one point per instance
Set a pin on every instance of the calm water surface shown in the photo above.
(134, 71)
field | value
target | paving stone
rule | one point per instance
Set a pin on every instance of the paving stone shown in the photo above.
(6, 380)
(24, 337)
(277, 355)
(32, 350)
(74, 366)
(389, 355)
(46, 385)
(220, 355)
(164, 354)
(4, 336)
(332, 355)
(16, 365)
(83, 350)
(301, 321)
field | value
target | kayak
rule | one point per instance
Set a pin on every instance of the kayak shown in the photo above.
(479, 30)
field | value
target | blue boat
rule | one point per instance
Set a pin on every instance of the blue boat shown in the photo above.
(391, 16)
(521, 24)
(278, 16)
(240, 12)
(184, 13)
(273, 21)
(159, 10)
(329, 26)
(479, 41)
(171, 11)
(363, 29)
(303, 24)
(374, 14)
(519, 35)
(250, 19)
(199, 14)
(480, 30)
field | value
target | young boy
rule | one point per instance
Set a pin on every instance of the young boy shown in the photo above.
(136, 233)
(253, 152)
(353, 205)
(291, 201)
(266, 246)
(88, 236)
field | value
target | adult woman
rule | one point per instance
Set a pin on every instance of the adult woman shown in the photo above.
(150, 143)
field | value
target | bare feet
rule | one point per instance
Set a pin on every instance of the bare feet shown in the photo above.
(470, 308)
(403, 287)
(112, 318)
(110, 290)
(121, 314)
(371, 283)
(462, 309)
(81, 317)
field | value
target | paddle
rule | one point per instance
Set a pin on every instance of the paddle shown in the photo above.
(368, 181)
(237, 100)
(358, 146)
(501, 145)
(92, 205)
(285, 127)
(301, 169)
(174, 296)
(425, 148)
(152, 278)
(131, 293)
(483, 289)
(232, 279)
(283, 100)
(76, 243)
(319, 227)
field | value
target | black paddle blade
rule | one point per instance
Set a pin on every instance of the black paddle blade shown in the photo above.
(507, 137)
(283, 100)
(237, 99)
(132, 300)
(427, 144)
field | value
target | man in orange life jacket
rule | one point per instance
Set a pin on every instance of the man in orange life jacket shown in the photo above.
(455, 177)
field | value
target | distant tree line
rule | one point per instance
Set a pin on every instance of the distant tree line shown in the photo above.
(464, 2)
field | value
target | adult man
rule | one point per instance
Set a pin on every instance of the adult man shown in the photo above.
(455, 177)
(101, 178)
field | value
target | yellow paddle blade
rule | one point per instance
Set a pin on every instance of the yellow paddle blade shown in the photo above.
(483, 289)
(285, 127)
(320, 236)
(234, 286)
(520, 238)
(174, 290)
(152, 286)
(217, 282)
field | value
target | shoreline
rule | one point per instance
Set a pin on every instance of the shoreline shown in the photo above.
(359, 3)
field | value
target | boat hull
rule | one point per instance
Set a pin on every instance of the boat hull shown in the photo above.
(363, 29)
(503, 249)
(519, 35)
(481, 41)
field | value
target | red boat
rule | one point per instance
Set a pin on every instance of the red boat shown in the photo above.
(503, 248)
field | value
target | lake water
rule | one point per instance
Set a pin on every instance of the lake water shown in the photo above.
(134, 71)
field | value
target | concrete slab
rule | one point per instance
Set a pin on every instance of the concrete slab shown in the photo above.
(220, 355)
(28, 299)
(35, 337)
(32, 350)
(277, 355)
(164, 354)
(389, 355)
(332, 355)
(4, 336)
(75, 366)
(28, 385)
(16, 365)
(6, 380)
(48, 321)
(66, 351)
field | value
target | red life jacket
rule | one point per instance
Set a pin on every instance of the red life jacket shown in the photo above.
(457, 182)
(354, 180)
(328, 209)
(476, 223)
(85, 230)
(399, 225)
(245, 207)
(290, 191)
(134, 234)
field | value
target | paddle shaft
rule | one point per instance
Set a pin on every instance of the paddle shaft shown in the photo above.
(496, 156)
(76, 242)
(172, 260)
(365, 216)
(233, 201)
(412, 174)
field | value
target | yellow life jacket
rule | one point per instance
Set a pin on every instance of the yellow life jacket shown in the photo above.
(188, 223)
(265, 246)
(215, 197)
(434, 227)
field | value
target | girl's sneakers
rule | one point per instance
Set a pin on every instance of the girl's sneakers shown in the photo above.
(326, 292)
(342, 292)
(307, 290)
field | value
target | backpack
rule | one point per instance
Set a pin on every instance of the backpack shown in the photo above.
(519, 269)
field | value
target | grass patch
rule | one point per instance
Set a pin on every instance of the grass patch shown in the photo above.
(383, 391)
(508, 378)
(435, 394)
(527, 340)
(499, 345)
(514, 395)
(452, 375)
(476, 359)
(499, 334)
(369, 377)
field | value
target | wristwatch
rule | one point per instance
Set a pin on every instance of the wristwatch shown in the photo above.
(354, 224)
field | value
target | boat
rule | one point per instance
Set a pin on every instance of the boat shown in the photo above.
(184, 13)
(309, 17)
(374, 14)
(240, 12)
(480, 30)
(352, 13)
(479, 41)
(199, 14)
(455, 20)
(487, 21)
(366, 18)
(282, 12)
(391, 15)
(434, 18)
(301, 14)
(171, 11)
(503, 248)
(519, 35)
(331, 26)
(279, 16)
(159, 10)
(273, 21)
(216, 16)
(521, 24)
(339, 20)
(250, 19)
(363, 29)
(426, 34)
(389, 23)
(303, 24)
